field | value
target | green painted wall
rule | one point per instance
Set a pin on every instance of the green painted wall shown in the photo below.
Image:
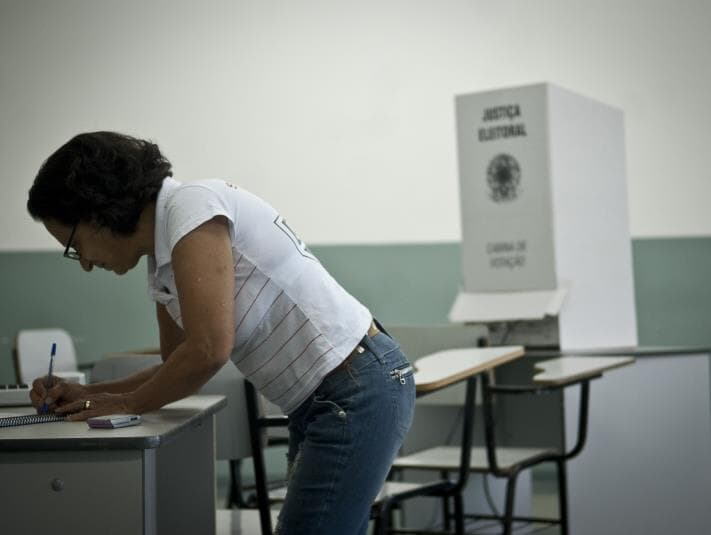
(102, 312)
(673, 291)
(402, 284)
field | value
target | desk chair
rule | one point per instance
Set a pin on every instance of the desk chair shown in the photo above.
(445, 369)
(390, 495)
(32, 350)
(433, 374)
(508, 463)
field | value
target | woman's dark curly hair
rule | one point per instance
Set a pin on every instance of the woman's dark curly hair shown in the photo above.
(103, 178)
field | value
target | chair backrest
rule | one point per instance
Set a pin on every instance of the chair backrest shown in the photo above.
(232, 426)
(32, 351)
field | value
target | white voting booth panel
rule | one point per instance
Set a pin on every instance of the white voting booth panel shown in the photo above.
(545, 232)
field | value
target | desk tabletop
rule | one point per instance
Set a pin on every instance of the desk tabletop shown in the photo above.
(573, 368)
(156, 428)
(443, 368)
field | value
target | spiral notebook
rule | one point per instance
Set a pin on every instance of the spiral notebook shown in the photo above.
(27, 419)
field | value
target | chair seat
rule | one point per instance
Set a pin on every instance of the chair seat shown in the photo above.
(240, 521)
(447, 458)
(277, 495)
(390, 488)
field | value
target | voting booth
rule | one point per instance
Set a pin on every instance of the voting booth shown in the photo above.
(546, 253)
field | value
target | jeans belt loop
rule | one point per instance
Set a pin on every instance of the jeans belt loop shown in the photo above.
(372, 331)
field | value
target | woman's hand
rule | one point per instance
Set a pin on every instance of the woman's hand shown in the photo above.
(58, 393)
(98, 404)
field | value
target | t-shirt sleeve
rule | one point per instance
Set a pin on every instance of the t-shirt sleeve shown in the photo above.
(191, 205)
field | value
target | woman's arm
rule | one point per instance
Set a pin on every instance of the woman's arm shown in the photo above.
(171, 335)
(204, 276)
(62, 392)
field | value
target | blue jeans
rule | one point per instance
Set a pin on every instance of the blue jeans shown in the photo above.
(343, 439)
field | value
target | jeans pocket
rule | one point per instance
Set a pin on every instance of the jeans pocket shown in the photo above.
(335, 408)
(403, 395)
(402, 372)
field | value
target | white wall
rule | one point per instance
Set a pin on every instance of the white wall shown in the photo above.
(341, 113)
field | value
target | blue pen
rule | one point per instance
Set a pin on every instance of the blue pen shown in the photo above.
(48, 381)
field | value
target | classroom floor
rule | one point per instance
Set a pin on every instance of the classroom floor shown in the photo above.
(545, 498)
(544, 504)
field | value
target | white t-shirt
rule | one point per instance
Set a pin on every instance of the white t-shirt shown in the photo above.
(293, 322)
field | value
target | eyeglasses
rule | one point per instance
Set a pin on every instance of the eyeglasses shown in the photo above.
(69, 251)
